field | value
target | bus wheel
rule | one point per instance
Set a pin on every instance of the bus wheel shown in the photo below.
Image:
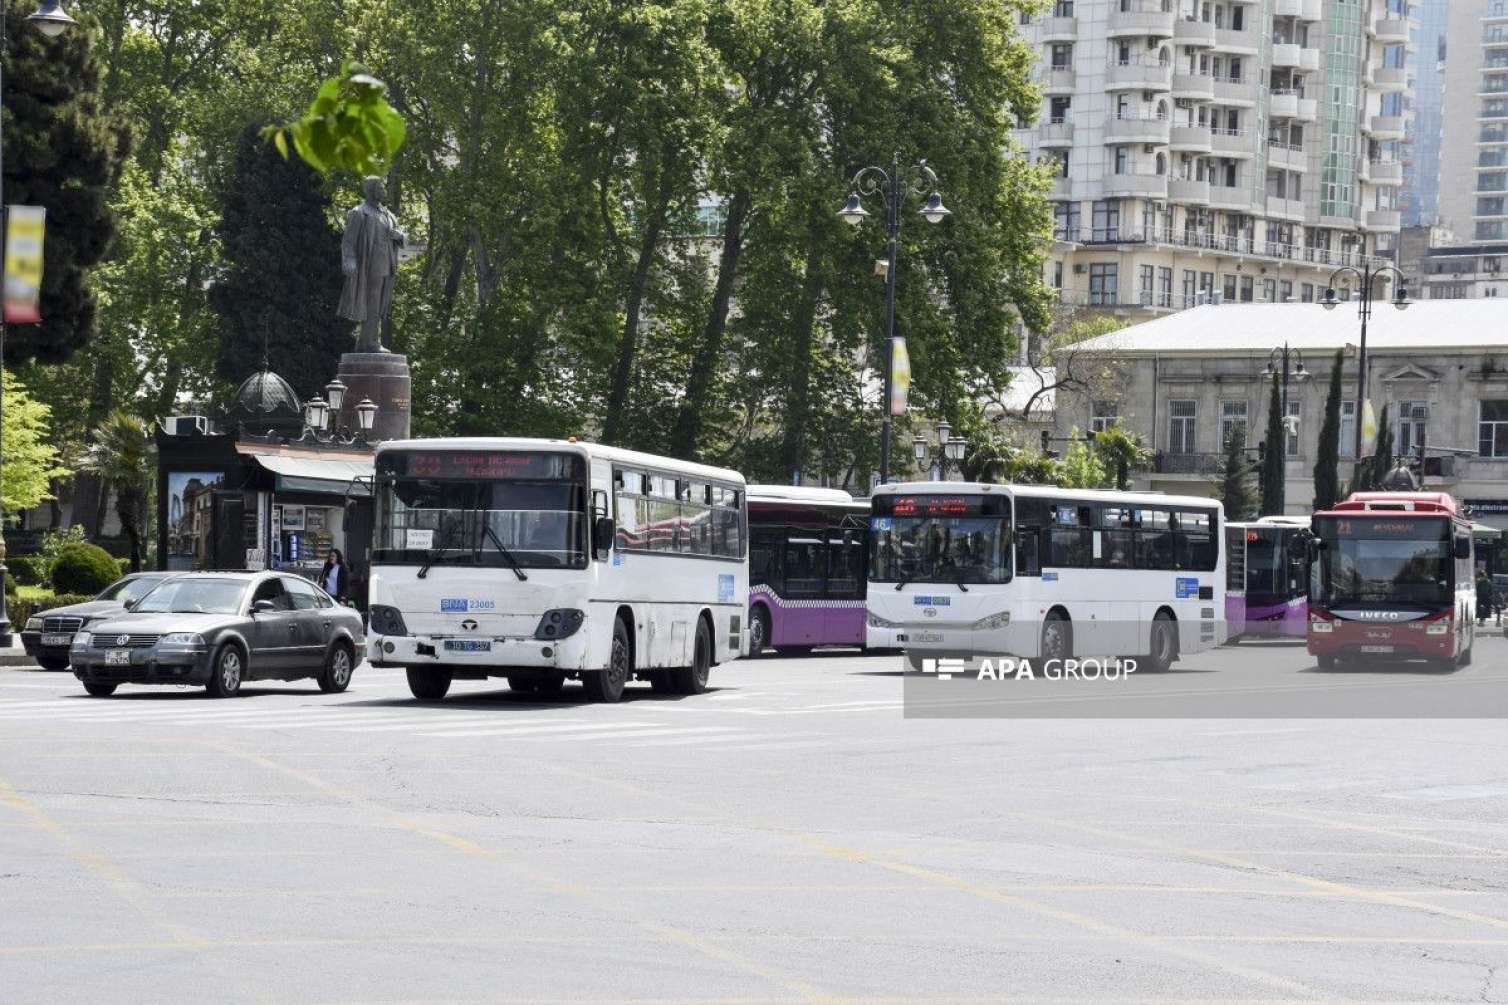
(428, 684)
(1326, 662)
(759, 631)
(1162, 643)
(693, 679)
(518, 682)
(607, 684)
(1057, 638)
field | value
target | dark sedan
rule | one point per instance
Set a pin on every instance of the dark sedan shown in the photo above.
(48, 636)
(220, 629)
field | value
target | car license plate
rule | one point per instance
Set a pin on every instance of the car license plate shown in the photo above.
(468, 645)
(117, 657)
(57, 640)
(1376, 649)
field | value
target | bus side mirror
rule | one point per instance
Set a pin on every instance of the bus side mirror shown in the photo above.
(1463, 547)
(603, 532)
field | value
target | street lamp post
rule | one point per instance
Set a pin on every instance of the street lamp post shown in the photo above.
(1368, 276)
(1279, 361)
(52, 21)
(892, 186)
(950, 447)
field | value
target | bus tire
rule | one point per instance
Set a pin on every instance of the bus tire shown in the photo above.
(693, 679)
(520, 682)
(606, 685)
(1162, 643)
(1057, 637)
(428, 683)
(759, 631)
(1326, 662)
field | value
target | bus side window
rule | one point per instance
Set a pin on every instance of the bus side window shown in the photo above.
(845, 564)
(764, 559)
(805, 565)
(1028, 558)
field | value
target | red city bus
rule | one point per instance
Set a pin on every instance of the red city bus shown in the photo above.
(1391, 576)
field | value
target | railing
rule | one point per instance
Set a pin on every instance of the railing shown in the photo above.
(1226, 243)
(1170, 463)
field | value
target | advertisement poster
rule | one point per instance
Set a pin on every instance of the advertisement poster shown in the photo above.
(190, 516)
(23, 264)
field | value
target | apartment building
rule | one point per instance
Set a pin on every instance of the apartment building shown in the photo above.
(1474, 134)
(1215, 150)
(1421, 145)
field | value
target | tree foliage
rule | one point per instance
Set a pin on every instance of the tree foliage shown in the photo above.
(1275, 455)
(1084, 466)
(122, 456)
(1327, 457)
(1236, 491)
(32, 460)
(349, 126)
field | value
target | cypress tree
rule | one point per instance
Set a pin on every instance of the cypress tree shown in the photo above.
(283, 280)
(1235, 477)
(1327, 459)
(1382, 457)
(64, 153)
(1275, 456)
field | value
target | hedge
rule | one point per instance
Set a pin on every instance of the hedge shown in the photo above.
(27, 570)
(84, 568)
(20, 610)
(125, 566)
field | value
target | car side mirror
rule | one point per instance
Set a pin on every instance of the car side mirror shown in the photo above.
(603, 532)
(262, 607)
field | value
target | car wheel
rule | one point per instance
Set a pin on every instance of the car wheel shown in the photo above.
(607, 684)
(52, 662)
(336, 676)
(99, 690)
(428, 684)
(225, 677)
(693, 679)
(759, 631)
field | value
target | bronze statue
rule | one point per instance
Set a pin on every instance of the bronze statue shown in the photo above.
(369, 258)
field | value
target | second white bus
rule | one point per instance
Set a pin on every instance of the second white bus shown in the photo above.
(1040, 572)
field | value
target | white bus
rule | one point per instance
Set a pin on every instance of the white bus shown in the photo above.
(539, 560)
(1040, 572)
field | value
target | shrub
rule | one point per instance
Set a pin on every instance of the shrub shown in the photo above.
(21, 610)
(84, 568)
(54, 541)
(27, 570)
(125, 566)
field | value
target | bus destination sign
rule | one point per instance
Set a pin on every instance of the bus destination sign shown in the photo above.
(1392, 528)
(937, 506)
(487, 464)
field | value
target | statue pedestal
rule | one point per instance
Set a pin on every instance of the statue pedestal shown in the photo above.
(382, 377)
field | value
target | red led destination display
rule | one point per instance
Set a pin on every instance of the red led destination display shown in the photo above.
(1392, 528)
(483, 465)
(941, 505)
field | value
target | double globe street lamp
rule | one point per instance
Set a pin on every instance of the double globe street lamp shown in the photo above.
(320, 413)
(952, 448)
(892, 186)
(1368, 277)
(1284, 360)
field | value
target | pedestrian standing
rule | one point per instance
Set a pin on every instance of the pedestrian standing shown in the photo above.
(334, 577)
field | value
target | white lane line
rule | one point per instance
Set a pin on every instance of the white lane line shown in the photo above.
(412, 720)
(633, 734)
(601, 727)
(684, 741)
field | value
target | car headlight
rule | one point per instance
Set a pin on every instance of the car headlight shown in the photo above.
(384, 620)
(994, 621)
(81, 640)
(33, 625)
(1320, 627)
(559, 623)
(182, 639)
(875, 621)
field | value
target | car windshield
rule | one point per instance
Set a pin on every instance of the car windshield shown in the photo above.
(194, 596)
(128, 590)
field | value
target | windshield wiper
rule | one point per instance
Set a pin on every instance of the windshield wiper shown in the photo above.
(488, 534)
(901, 582)
(438, 554)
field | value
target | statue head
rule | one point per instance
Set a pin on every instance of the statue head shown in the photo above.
(374, 189)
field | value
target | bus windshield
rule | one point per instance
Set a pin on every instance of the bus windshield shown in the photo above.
(939, 540)
(1384, 559)
(481, 509)
(1274, 565)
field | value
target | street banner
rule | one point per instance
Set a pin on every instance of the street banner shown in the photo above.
(23, 264)
(900, 376)
(1368, 429)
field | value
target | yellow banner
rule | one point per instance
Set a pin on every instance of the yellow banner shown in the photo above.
(900, 376)
(23, 264)
(1368, 429)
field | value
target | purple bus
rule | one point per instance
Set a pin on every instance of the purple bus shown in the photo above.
(1266, 578)
(806, 568)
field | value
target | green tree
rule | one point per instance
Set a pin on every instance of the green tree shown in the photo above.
(1121, 453)
(1275, 456)
(62, 152)
(1235, 482)
(32, 461)
(282, 281)
(1083, 466)
(122, 457)
(1327, 456)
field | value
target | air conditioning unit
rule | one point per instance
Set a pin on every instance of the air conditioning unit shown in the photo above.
(187, 425)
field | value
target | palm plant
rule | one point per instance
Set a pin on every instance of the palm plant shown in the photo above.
(122, 457)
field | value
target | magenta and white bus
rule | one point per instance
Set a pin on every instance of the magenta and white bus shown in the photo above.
(806, 568)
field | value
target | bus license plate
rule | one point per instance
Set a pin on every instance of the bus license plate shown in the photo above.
(57, 640)
(468, 645)
(1376, 649)
(926, 636)
(117, 657)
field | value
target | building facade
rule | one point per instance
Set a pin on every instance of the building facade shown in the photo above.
(1421, 148)
(1474, 130)
(1440, 267)
(1182, 382)
(1211, 150)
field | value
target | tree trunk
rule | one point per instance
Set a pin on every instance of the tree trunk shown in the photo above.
(798, 392)
(90, 496)
(628, 342)
(688, 426)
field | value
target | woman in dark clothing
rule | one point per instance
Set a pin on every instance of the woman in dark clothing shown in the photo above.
(334, 577)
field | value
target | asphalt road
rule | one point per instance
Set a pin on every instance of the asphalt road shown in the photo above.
(791, 836)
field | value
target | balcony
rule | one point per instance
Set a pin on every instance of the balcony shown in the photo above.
(1194, 34)
(1285, 209)
(1386, 127)
(1147, 186)
(1058, 80)
(1189, 191)
(1169, 463)
(1388, 173)
(1287, 8)
(1191, 139)
(1059, 29)
(1285, 104)
(1055, 134)
(1309, 60)
(1149, 19)
(1285, 55)
(1390, 79)
(1225, 143)
(1237, 198)
(1194, 86)
(1312, 10)
(1139, 76)
(1137, 130)
(1241, 42)
(1391, 30)
(1241, 93)
(1384, 219)
(1062, 189)
(1281, 155)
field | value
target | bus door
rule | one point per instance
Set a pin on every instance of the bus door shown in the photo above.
(805, 568)
(843, 615)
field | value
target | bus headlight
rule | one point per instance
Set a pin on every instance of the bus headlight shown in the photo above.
(994, 621)
(560, 623)
(384, 620)
(875, 621)
(1320, 627)
(1437, 628)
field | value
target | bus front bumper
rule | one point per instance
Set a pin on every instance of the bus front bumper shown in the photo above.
(1371, 642)
(484, 655)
